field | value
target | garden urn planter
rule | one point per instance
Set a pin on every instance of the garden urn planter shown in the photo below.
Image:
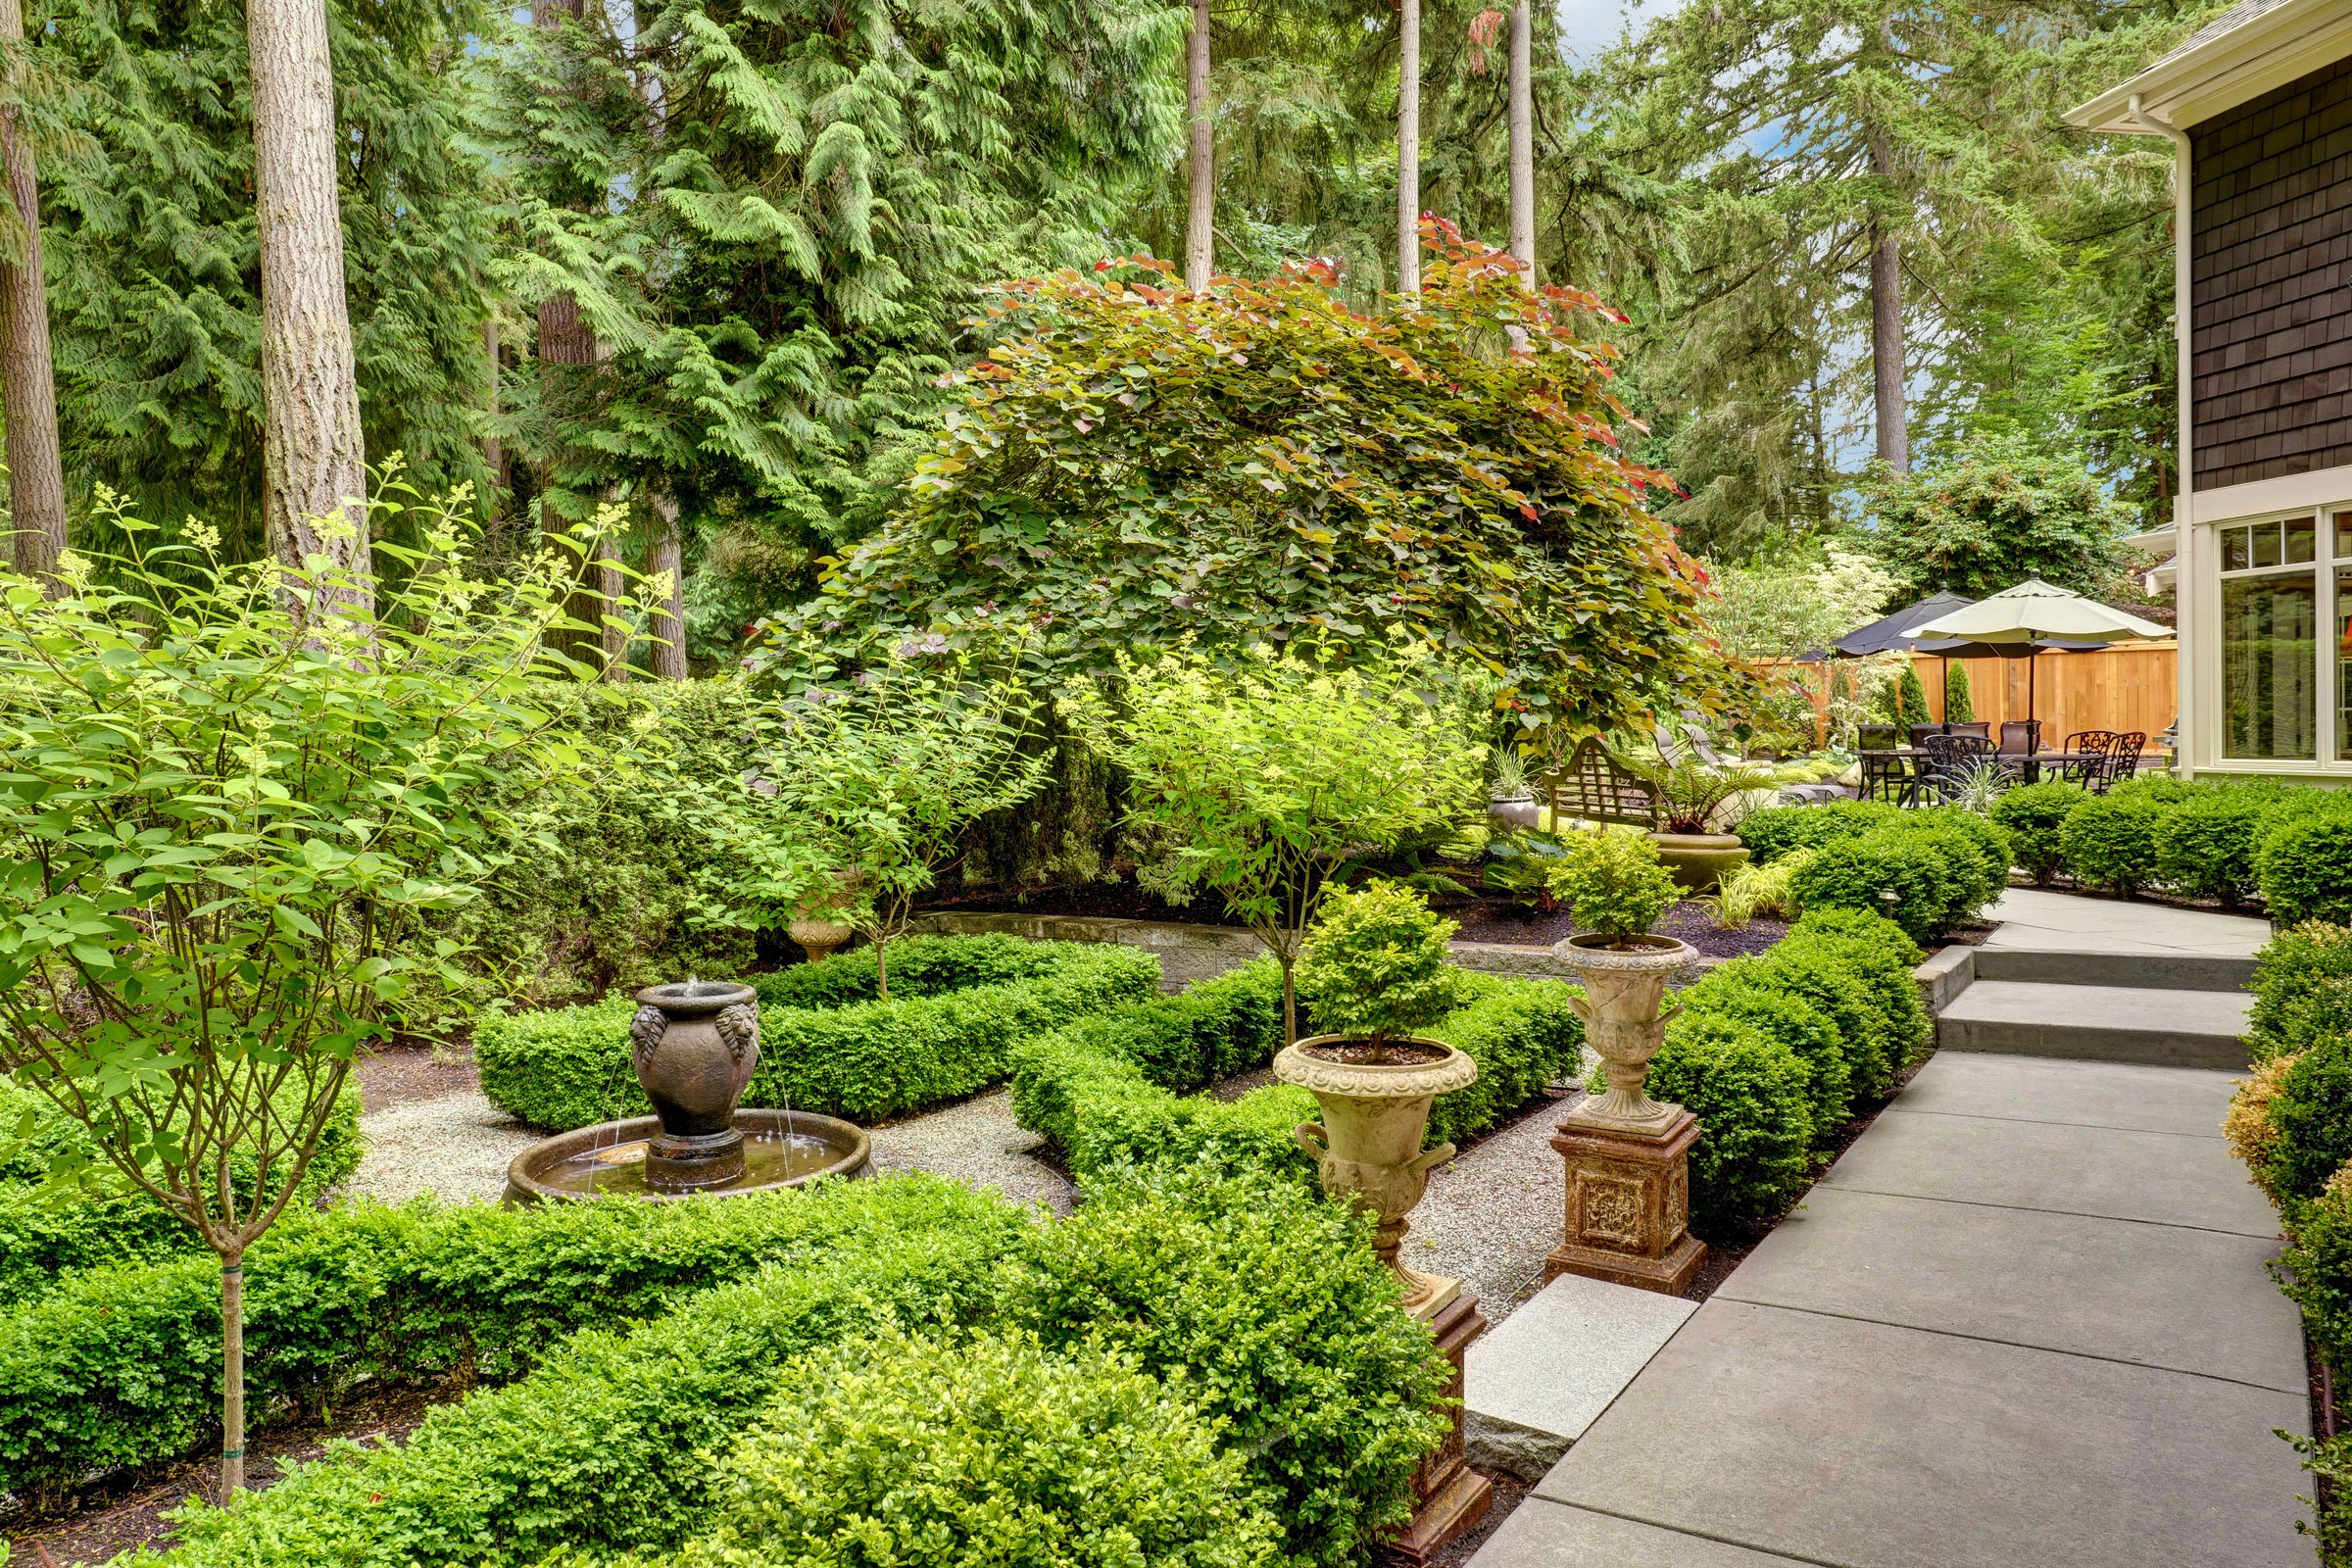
(1624, 986)
(822, 939)
(1512, 811)
(1700, 861)
(1367, 1147)
(695, 1046)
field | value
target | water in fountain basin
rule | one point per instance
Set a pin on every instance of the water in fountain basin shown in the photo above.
(618, 1170)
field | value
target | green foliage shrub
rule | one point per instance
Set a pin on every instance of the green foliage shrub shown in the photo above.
(607, 1442)
(2302, 990)
(117, 1366)
(1746, 992)
(1375, 964)
(919, 966)
(2311, 1124)
(1882, 955)
(1614, 883)
(1750, 891)
(47, 1232)
(2315, 1272)
(1750, 1094)
(985, 1448)
(569, 1067)
(1938, 869)
(1776, 830)
(1270, 1302)
(2034, 816)
(1839, 993)
(1959, 706)
(2109, 840)
(2304, 865)
(2203, 847)
(1910, 698)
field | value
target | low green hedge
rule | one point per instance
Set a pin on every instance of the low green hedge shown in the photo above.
(1750, 1092)
(118, 1366)
(2033, 818)
(2311, 1124)
(1941, 868)
(47, 1232)
(2204, 847)
(2302, 990)
(2304, 863)
(1116, 1089)
(2110, 840)
(1255, 1303)
(1776, 830)
(840, 1055)
(1747, 991)
(1052, 1460)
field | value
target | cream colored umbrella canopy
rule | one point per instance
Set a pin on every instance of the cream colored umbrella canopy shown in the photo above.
(2017, 622)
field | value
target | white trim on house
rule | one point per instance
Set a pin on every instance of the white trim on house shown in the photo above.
(2223, 68)
(2288, 492)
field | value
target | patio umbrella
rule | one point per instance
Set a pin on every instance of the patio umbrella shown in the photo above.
(2021, 622)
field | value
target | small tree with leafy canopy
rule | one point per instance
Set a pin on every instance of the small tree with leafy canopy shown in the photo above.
(1995, 514)
(1267, 779)
(883, 769)
(223, 811)
(1136, 468)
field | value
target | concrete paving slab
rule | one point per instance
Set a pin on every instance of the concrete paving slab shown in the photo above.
(2036, 919)
(1534, 1383)
(2162, 1178)
(2156, 1295)
(2099, 1023)
(1542, 1534)
(2085, 1094)
(1843, 1442)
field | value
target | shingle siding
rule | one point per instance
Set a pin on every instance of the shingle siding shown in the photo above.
(2271, 270)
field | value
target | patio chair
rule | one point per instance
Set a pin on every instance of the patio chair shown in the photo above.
(1921, 732)
(1948, 757)
(1981, 728)
(2020, 737)
(2088, 750)
(1694, 729)
(2123, 760)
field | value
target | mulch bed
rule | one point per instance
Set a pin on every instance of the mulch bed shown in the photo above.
(395, 1074)
(129, 1513)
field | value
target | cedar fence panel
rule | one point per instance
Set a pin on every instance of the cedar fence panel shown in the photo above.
(2125, 686)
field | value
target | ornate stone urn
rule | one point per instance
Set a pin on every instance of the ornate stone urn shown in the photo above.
(812, 924)
(1375, 1096)
(695, 1046)
(1624, 985)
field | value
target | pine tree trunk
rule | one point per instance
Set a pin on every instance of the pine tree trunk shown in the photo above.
(313, 459)
(494, 451)
(670, 616)
(616, 632)
(1201, 218)
(1408, 147)
(1523, 140)
(36, 481)
(1886, 327)
(232, 1372)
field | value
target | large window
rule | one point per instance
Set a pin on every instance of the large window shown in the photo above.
(2271, 586)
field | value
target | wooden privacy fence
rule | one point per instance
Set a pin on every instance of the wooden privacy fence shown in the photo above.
(2125, 686)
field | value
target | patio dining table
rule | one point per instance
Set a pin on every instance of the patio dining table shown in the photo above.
(1893, 772)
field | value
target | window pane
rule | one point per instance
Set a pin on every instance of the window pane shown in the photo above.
(2300, 532)
(2344, 534)
(2343, 661)
(2236, 553)
(2266, 544)
(2270, 667)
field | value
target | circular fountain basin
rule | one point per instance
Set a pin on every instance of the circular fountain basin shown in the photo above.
(608, 1159)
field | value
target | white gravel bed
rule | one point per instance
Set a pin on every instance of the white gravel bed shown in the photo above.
(974, 1141)
(1492, 1214)
(456, 1146)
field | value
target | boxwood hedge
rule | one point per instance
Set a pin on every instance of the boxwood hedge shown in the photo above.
(1928, 871)
(957, 1004)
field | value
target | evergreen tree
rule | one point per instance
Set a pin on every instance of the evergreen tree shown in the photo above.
(1958, 707)
(1911, 699)
(36, 483)
(154, 261)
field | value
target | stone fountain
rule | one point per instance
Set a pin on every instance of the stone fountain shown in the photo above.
(695, 1046)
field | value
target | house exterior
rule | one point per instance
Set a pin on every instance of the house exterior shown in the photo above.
(2258, 107)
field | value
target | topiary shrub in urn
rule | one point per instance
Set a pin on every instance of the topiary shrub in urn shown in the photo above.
(1373, 970)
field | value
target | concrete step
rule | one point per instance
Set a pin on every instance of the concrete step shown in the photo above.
(1535, 1381)
(2163, 1028)
(2145, 972)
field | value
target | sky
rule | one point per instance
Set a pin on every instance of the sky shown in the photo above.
(1588, 26)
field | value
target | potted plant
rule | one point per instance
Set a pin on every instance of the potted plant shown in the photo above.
(1692, 797)
(1617, 888)
(1510, 798)
(1374, 969)
(819, 922)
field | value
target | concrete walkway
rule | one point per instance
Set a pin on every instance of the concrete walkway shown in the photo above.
(2065, 936)
(2023, 1323)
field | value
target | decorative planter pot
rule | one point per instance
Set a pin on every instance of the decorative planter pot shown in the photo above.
(820, 937)
(695, 1046)
(1700, 861)
(1623, 989)
(1367, 1147)
(1516, 812)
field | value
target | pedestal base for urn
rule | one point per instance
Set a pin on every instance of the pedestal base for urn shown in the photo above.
(1629, 1205)
(1451, 1496)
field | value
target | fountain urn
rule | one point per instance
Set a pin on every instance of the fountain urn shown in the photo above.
(695, 1046)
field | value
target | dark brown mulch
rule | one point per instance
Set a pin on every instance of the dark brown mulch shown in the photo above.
(1501, 921)
(394, 1074)
(129, 1512)
(1509, 1493)
(1107, 901)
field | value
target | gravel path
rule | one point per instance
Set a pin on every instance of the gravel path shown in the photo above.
(456, 1144)
(1490, 1215)
(976, 1142)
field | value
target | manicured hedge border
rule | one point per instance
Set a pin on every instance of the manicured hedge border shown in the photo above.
(1255, 1302)
(1117, 1090)
(47, 1235)
(957, 1004)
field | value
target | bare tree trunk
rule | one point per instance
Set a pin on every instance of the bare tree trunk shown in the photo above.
(312, 458)
(1408, 147)
(1887, 328)
(233, 1371)
(616, 638)
(669, 617)
(494, 451)
(36, 480)
(1522, 114)
(1201, 218)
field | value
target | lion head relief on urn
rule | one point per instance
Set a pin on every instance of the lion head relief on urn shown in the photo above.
(695, 1046)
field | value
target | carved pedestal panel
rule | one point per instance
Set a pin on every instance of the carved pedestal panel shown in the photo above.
(1453, 1495)
(1629, 1206)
